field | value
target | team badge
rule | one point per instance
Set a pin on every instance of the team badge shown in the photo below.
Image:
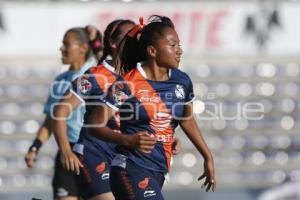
(120, 97)
(179, 91)
(84, 84)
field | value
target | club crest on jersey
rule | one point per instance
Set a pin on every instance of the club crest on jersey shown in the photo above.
(120, 97)
(84, 84)
(179, 92)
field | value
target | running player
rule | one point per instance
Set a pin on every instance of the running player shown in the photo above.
(153, 98)
(76, 52)
(94, 154)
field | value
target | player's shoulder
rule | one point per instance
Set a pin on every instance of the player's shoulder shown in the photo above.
(94, 72)
(131, 75)
(177, 74)
(95, 69)
(63, 76)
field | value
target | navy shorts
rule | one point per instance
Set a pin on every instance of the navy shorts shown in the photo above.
(129, 181)
(94, 176)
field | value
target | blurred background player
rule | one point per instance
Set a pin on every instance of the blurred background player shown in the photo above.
(153, 86)
(77, 53)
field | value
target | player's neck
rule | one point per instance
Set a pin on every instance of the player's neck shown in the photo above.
(154, 72)
(77, 65)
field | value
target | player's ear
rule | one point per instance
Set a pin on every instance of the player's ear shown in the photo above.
(151, 51)
(85, 48)
(112, 44)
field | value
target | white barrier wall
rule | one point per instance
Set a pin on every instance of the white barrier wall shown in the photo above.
(207, 28)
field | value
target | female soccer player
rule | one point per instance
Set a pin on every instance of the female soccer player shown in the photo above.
(94, 155)
(153, 98)
(76, 52)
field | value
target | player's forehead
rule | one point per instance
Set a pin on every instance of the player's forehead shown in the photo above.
(70, 36)
(169, 35)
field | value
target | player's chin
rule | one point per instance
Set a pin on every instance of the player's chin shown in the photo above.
(175, 65)
(64, 60)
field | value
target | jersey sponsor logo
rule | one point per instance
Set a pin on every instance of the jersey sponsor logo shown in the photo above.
(164, 138)
(62, 192)
(101, 167)
(146, 97)
(161, 121)
(84, 84)
(179, 92)
(144, 183)
(149, 193)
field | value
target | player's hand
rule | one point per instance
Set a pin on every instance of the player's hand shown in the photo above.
(141, 141)
(70, 161)
(176, 146)
(30, 158)
(209, 176)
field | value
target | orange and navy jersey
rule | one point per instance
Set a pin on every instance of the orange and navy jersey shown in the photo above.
(91, 88)
(153, 106)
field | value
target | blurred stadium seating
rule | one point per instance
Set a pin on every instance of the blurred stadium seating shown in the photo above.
(248, 153)
(237, 53)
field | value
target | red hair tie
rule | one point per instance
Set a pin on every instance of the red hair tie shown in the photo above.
(96, 44)
(137, 28)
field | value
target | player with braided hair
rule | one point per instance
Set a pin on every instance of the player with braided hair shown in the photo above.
(153, 97)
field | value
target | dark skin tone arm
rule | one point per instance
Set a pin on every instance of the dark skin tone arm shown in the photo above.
(191, 129)
(176, 146)
(140, 141)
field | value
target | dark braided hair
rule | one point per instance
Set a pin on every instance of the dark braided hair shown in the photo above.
(112, 32)
(134, 49)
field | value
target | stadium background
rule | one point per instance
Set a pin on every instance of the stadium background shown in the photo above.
(243, 57)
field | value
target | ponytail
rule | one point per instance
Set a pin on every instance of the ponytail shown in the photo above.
(129, 54)
(96, 44)
(111, 27)
(113, 32)
(133, 48)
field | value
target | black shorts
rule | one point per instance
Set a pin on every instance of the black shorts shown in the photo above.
(64, 182)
